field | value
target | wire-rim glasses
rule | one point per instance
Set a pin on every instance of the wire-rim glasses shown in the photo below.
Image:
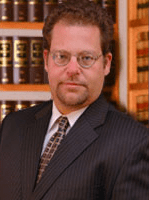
(85, 58)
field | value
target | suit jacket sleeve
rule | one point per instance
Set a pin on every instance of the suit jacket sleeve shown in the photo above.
(133, 179)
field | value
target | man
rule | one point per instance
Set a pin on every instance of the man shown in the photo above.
(104, 154)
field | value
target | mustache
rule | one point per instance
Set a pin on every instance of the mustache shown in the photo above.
(74, 82)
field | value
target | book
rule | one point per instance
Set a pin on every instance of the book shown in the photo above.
(146, 67)
(6, 10)
(19, 105)
(36, 64)
(142, 8)
(5, 108)
(20, 10)
(6, 56)
(142, 56)
(61, 1)
(20, 60)
(35, 10)
(47, 5)
(33, 103)
(142, 113)
(12, 106)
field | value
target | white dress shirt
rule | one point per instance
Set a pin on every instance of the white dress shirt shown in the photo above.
(53, 124)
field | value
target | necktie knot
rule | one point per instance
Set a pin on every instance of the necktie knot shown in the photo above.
(63, 124)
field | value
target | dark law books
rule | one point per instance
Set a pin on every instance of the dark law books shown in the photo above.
(6, 10)
(6, 66)
(10, 106)
(5, 108)
(37, 10)
(21, 60)
(36, 68)
(47, 6)
(20, 10)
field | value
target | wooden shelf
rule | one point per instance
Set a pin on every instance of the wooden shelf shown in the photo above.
(139, 22)
(25, 25)
(138, 86)
(24, 87)
(21, 25)
(34, 87)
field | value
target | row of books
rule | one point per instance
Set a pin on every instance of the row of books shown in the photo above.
(10, 106)
(142, 113)
(142, 50)
(142, 8)
(21, 61)
(37, 10)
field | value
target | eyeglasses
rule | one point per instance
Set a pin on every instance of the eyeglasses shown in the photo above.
(85, 59)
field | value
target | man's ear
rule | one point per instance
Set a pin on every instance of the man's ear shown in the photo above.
(107, 63)
(45, 57)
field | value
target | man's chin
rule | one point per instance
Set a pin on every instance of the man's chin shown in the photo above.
(72, 99)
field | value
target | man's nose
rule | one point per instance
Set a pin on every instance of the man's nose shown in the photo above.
(73, 67)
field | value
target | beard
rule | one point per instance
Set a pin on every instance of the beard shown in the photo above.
(73, 97)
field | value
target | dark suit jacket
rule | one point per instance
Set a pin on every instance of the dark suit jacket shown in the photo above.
(105, 156)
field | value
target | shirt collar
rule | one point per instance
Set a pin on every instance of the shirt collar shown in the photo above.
(72, 117)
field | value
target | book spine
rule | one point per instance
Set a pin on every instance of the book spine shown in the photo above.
(36, 61)
(140, 70)
(62, 1)
(10, 106)
(142, 57)
(142, 8)
(6, 10)
(34, 103)
(139, 9)
(5, 108)
(20, 60)
(47, 6)
(20, 10)
(20, 105)
(142, 109)
(6, 66)
(35, 10)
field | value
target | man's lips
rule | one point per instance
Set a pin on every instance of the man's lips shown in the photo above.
(75, 84)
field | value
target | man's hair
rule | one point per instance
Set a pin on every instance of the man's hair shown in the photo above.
(80, 12)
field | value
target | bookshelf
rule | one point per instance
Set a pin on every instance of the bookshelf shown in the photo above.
(24, 87)
(138, 68)
(32, 91)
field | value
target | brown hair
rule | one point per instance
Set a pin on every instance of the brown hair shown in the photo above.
(80, 12)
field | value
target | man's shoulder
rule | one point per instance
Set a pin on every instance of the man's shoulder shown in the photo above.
(125, 123)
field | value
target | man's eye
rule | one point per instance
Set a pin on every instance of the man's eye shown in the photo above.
(62, 56)
(87, 58)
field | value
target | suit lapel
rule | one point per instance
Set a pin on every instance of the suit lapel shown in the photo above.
(78, 139)
(31, 149)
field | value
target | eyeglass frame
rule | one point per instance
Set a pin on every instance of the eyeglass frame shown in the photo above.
(95, 58)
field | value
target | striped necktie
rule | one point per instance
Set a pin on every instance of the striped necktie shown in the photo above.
(52, 145)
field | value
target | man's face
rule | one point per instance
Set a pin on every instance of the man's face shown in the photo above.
(72, 86)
